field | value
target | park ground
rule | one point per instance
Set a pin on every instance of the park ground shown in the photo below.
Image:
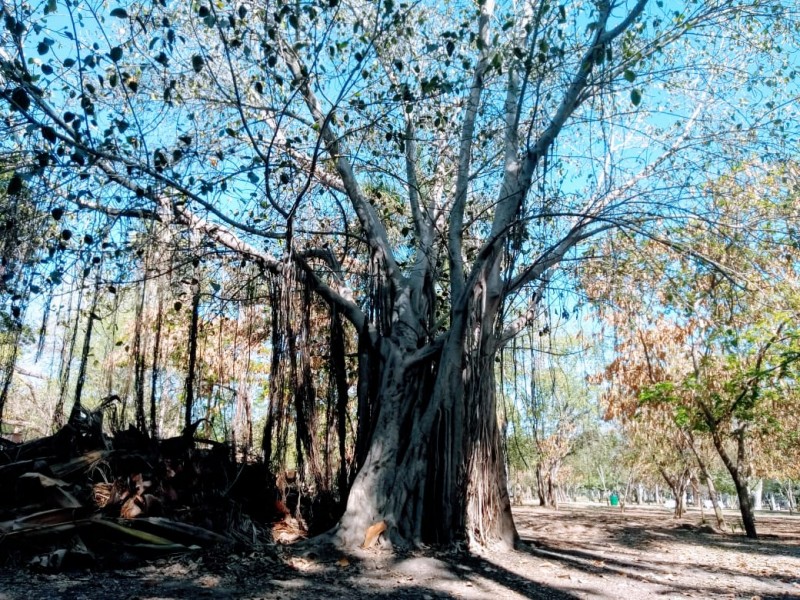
(575, 552)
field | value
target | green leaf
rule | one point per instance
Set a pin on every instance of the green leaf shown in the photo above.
(50, 7)
(14, 186)
(116, 53)
(636, 97)
(629, 75)
(49, 134)
(197, 63)
(120, 13)
(20, 97)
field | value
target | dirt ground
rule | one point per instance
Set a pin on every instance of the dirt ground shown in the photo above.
(576, 552)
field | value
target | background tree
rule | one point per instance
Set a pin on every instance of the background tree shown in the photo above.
(551, 404)
(715, 346)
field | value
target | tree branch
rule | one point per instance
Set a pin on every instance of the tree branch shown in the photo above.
(455, 238)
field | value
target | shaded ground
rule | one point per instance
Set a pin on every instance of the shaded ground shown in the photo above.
(586, 552)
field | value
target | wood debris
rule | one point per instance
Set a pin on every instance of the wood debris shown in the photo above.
(81, 498)
(373, 533)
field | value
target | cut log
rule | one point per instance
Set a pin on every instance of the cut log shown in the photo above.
(373, 533)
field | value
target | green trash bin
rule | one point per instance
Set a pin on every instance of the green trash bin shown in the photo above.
(614, 499)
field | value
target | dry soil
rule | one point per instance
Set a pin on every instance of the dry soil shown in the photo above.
(575, 552)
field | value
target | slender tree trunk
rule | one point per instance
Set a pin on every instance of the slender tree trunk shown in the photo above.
(739, 479)
(678, 486)
(87, 345)
(541, 484)
(67, 354)
(275, 387)
(624, 500)
(155, 367)
(553, 483)
(758, 494)
(139, 363)
(712, 493)
(368, 385)
(788, 488)
(602, 475)
(8, 372)
(706, 476)
(305, 394)
(338, 368)
(190, 371)
(546, 474)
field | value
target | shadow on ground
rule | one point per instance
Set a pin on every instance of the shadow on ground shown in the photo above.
(427, 577)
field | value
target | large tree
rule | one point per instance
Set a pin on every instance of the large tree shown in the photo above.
(423, 168)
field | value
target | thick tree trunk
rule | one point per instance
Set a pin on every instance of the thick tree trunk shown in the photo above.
(432, 473)
(379, 476)
(434, 470)
(488, 510)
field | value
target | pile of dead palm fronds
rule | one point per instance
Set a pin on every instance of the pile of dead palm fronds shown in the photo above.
(82, 498)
